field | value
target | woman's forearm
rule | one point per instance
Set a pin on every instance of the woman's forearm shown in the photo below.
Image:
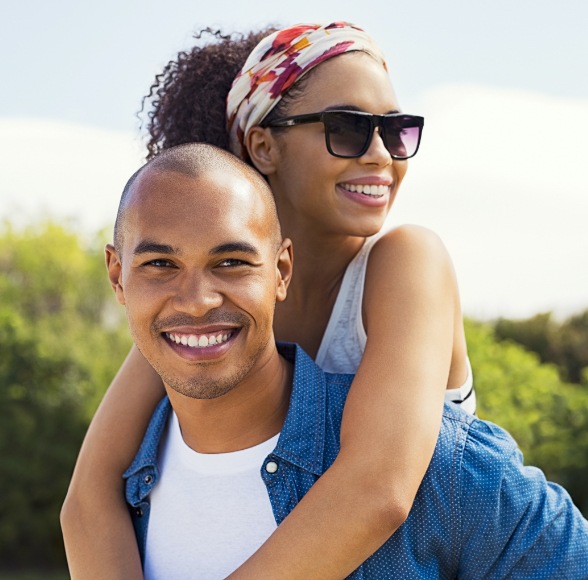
(360, 501)
(97, 529)
(344, 518)
(99, 543)
(390, 423)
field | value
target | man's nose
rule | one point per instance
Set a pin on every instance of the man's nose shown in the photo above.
(197, 294)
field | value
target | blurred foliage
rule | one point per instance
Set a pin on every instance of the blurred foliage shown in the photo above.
(62, 338)
(565, 344)
(547, 417)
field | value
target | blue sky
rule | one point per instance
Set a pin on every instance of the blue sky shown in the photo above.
(89, 62)
(503, 86)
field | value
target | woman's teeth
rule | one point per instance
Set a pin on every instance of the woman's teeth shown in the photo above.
(199, 340)
(373, 190)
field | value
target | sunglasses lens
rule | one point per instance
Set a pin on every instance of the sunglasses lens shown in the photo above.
(401, 136)
(347, 133)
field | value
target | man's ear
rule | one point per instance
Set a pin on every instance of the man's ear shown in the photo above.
(114, 267)
(284, 264)
(262, 149)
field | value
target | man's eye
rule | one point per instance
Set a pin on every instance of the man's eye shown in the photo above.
(231, 262)
(159, 263)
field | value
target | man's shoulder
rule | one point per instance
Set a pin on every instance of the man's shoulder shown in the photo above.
(486, 437)
(507, 513)
(467, 444)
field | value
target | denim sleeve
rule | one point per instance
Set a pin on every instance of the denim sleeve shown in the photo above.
(515, 524)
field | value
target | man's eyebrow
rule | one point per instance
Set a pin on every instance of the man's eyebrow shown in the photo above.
(241, 247)
(150, 247)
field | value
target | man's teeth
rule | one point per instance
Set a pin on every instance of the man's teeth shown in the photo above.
(374, 190)
(199, 340)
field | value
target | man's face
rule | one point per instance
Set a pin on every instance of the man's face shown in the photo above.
(199, 277)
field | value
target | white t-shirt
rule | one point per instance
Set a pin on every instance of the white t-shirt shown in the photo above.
(209, 512)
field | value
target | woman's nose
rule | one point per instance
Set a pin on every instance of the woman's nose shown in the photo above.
(377, 153)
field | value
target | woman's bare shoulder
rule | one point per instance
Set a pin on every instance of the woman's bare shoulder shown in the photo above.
(410, 246)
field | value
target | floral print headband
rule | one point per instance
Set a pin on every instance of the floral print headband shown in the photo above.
(277, 62)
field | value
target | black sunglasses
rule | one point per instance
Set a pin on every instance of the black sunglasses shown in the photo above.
(349, 133)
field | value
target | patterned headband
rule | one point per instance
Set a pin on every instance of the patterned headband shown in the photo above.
(277, 62)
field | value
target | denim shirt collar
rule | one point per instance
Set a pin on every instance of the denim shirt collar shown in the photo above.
(143, 473)
(301, 441)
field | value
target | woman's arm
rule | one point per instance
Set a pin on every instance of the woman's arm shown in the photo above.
(391, 419)
(97, 529)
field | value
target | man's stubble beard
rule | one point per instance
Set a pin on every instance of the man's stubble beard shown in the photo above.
(206, 387)
(198, 387)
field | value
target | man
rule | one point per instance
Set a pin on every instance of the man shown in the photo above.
(246, 430)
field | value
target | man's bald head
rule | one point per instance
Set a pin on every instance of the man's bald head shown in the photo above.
(200, 259)
(196, 160)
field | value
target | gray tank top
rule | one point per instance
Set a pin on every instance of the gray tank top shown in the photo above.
(345, 338)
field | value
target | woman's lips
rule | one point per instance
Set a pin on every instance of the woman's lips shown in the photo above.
(365, 189)
(366, 194)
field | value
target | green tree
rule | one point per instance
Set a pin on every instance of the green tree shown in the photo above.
(572, 347)
(62, 337)
(547, 417)
(535, 333)
(564, 344)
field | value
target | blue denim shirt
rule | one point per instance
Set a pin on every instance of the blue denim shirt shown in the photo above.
(479, 513)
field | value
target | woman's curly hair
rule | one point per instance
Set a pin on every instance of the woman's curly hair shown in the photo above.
(187, 100)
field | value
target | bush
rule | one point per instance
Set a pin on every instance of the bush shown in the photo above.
(62, 338)
(61, 343)
(547, 417)
(564, 344)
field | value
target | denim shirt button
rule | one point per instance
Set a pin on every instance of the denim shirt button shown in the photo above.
(148, 479)
(139, 512)
(271, 467)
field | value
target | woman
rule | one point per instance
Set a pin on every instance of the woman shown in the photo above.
(314, 111)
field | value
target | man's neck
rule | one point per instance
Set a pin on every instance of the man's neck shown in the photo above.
(248, 415)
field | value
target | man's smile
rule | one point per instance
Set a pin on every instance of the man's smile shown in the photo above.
(200, 340)
(198, 346)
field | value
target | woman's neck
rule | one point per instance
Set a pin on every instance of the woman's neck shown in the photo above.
(320, 263)
(320, 259)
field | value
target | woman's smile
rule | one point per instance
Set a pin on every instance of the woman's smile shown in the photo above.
(368, 195)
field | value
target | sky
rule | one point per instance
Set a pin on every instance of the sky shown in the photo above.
(503, 86)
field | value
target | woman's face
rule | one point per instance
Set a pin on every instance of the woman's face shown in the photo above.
(332, 195)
